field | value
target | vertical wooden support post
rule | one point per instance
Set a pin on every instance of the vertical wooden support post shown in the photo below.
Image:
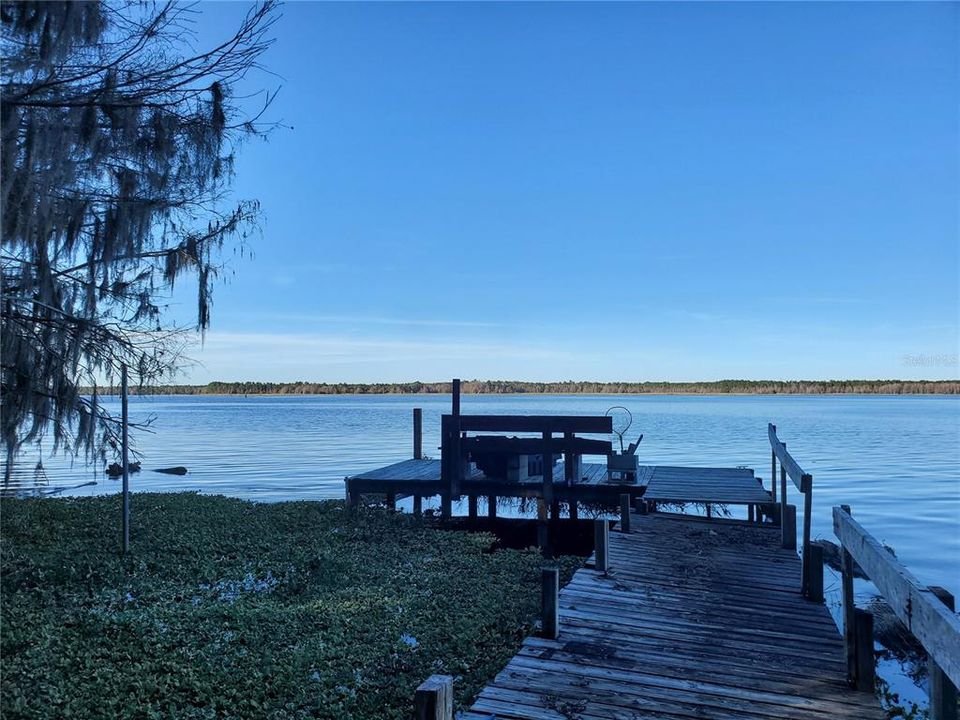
(446, 506)
(433, 700)
(783, 492)
(750, 513)
(351, 496)
(492, 507)
(601, 545)
(849, 605)
(542, 524)
(773, 472)
(457, 475)
(788, 527)
(709, 510)
(806, 484)
(815, 584)
(125, 457)
(554, 510)
(866, 663)
(573, 511)
(472, 506)
(550, 602)
(625, 513)
(547, 468)
(417, 433)
(943, 693)
(391, 500)
(418, 506)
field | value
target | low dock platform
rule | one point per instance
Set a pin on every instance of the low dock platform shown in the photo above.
(657, 483)
(694, 618)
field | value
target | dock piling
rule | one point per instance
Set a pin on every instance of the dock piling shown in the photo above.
(418, 506)
(542, 524)
(625, 513)
(866, 663)
(943, 693)
(433, 700)
(472, 507)
(601, 541)
(492, 507)
(788, 527)
(550, 618)
(417, 433)
(849, 605)
(815, 569)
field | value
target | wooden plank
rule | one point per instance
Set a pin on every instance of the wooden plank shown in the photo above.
(537, 423)
(930, 621)
(535, 446)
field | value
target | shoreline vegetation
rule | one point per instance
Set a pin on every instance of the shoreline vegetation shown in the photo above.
(512, 387)
(227, 607)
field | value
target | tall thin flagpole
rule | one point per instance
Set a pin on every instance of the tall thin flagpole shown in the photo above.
(125, 449)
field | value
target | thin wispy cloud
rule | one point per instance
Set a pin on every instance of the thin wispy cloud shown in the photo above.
(373, 320)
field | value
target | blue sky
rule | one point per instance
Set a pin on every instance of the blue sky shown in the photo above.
(599, 191)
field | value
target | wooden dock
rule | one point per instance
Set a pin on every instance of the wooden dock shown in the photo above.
(658, 483)
(695, 618)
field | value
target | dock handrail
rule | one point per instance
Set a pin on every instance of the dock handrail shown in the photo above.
(789, 467)
(922, 609)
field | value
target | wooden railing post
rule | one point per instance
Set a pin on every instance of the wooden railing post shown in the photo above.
(492, 507)
(806, 567)
(866, 662)
(783, 491)
(433, 700)
(943, 693)
(849, 605)
(788, 527)
(625, 513)
(418, 506)
(550, 602)
(773, 470)
(417, 433)
(601, 545)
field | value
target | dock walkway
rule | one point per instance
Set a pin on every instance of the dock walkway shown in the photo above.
(695, 618)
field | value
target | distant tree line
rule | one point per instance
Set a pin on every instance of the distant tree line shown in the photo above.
(516, 387)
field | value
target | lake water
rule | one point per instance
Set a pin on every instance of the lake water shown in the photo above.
(895, 460)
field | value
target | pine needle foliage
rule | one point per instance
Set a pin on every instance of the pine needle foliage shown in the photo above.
(117, 144)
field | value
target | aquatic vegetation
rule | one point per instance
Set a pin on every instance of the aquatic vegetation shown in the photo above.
(231, 608)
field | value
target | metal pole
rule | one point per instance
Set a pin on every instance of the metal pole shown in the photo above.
(125, 459)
